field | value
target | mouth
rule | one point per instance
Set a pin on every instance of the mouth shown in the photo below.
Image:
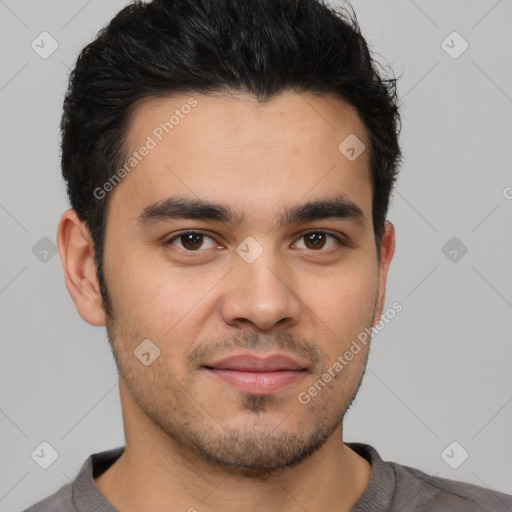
(255, 375)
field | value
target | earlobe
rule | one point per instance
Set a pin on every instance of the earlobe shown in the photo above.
(386, 254)
(77, 256)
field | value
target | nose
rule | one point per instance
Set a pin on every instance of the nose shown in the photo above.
(260, 293)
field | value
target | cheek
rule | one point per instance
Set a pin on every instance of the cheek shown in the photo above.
(153, 298)
(344, 305)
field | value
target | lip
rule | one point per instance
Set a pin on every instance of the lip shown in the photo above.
(251, 363)
(257, 375)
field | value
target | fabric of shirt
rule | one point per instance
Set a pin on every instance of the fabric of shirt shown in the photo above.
(392, 488)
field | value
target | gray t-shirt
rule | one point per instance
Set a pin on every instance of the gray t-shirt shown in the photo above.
(392, 488)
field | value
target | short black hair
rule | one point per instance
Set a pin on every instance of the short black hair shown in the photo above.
(260, 47)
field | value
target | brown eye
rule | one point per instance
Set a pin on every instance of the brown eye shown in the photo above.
(317, 240)
(190, 241)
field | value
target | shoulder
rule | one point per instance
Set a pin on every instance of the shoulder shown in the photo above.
(423, 492)
(60, 501)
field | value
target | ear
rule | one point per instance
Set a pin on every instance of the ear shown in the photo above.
(77, 256)
(386, 254)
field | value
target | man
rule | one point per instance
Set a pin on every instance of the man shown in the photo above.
(230, 165)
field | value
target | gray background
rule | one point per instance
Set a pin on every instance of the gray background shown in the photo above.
(438, 373)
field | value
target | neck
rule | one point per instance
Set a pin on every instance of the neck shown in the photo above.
(156, 473)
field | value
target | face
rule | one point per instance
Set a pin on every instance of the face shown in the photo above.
(245, 295)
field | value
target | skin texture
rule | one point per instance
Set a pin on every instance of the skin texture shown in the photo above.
(192, 440)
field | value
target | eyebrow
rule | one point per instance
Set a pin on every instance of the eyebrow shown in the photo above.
(336, 207)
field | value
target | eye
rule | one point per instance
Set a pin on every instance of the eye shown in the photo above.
(316, 240)
(193, 241)
(190, 241)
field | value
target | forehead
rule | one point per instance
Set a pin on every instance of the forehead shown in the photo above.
(234, 150)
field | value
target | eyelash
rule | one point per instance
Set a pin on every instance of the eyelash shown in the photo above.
(341, 242)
